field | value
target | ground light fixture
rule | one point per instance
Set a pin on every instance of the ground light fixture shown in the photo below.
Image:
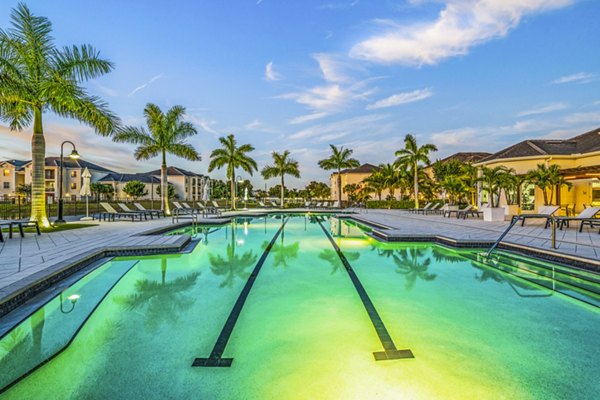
(74, 155)
(72, 299)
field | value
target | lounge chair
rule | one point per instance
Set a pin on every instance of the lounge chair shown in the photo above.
(416, 210)
(434, 209)
(274, 204)
(586, 217)
(126, 209)
(217, 206)
(111, 214)
(19, 224)
(184, 210)
(543, 212)
(159, 213)
(208, 210)
(463, 213)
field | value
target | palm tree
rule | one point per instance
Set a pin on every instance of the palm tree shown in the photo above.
(339, 159)
(376, 182)
(548, 179)
(36, 76)
(410, 157)
(282, 165)
(392, 178)
(493, 180)
(166, 134)
(233, 157)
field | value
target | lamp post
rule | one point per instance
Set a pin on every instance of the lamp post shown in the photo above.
(74, 155)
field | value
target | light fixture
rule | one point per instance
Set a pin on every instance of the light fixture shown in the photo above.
(74, 154)
(72, 299)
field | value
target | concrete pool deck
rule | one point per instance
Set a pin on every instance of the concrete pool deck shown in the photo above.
(26, 260)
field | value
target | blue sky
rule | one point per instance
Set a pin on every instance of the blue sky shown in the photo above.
(467, 75)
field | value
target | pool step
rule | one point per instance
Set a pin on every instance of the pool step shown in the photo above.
(553, 277)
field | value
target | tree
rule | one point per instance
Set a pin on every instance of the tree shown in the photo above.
(392, 178)
(276, 191)
(492, 180)
(282, 166)
(376, 182)
(170, 191)
(35, 77)
(410, 157)
(548, 179)
(166, 134)
(318, 190)
(100, 189)
(233, 157)
(24, 191)
(135, 189)
(243, 186)
(219, 189)
(338, 160)
(455, 188)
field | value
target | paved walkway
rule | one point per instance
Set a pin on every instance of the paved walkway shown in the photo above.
(568, 241)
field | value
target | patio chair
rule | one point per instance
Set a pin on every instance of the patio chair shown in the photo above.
(448, 213)
(274, 204)
(209, 210)
(416, 210)
(434, 209)
(126, 209)
(111, 214)
(159, 213)
(586, 217)
(19, 224)
(546, 212)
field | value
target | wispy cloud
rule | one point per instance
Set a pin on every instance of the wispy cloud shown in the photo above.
(332, 67)
(308, 117)
(203, 123)
(401, 98)
(543, 109)
(145, 85)
(460, 25)
(339, 5)
(580, 77)
(338, 129)
(105, 90)
(256, 124)
(270, 73)
(258, 2)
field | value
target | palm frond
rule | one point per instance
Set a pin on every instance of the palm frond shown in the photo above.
(184, 150)
(147, 152)
(82, 63)
(134, 135)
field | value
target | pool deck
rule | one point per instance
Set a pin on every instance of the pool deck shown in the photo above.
(26, 260)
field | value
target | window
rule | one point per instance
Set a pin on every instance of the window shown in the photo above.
(73, 174)
(595, 194)
(528, 197)
(6, 185)
(49, 173)
(73, 185)
(6, 172)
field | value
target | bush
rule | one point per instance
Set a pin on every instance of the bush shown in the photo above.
(396, 204)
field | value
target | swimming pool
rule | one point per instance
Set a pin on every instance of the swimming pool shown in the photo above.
(299, 307)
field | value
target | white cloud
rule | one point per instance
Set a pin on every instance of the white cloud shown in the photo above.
(145, 85)
(308, 117)
(338, 129)
(256, 124)
(460, 25)
(105, 90)
(543, 109)
(332, 67)
(401, 98)
(580, 77)
(270, 73)
(582, 118)
(203, 123)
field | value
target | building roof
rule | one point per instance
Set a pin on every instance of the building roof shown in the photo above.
(73, 163)
(18, 164)
(465, 157)
(363, 169)
(585, 143)
(115, 177)
(175, 171)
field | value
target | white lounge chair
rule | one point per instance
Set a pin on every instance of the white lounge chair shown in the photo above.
(586, 217)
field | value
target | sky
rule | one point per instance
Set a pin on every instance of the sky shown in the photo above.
(466, 75)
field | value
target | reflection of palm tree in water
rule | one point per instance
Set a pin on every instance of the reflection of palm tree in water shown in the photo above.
(334, 259)
(413, 265)
(232, 265)
(281, 252)
(164, 299)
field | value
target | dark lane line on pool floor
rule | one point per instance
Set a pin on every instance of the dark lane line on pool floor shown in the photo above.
(390, 351)
(215, 359)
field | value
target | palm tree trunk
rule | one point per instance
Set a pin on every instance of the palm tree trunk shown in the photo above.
(164, 185)
(38, 162)
(416, 180)
(233, 192)
(282, 190)
(339, 184)
(163, 270)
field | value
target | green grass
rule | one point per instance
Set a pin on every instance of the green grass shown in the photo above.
(53, 228)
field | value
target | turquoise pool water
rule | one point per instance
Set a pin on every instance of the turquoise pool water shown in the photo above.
(304, 332)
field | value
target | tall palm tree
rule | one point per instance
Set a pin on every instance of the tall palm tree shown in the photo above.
(391, 178)
(548, 179)
(376, 183)
(410, 157)
(282, 165)
(233, 157)
(166, 134)
(339, 159)
(36, 76)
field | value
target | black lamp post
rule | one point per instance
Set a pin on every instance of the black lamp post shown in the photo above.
(75, 155)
